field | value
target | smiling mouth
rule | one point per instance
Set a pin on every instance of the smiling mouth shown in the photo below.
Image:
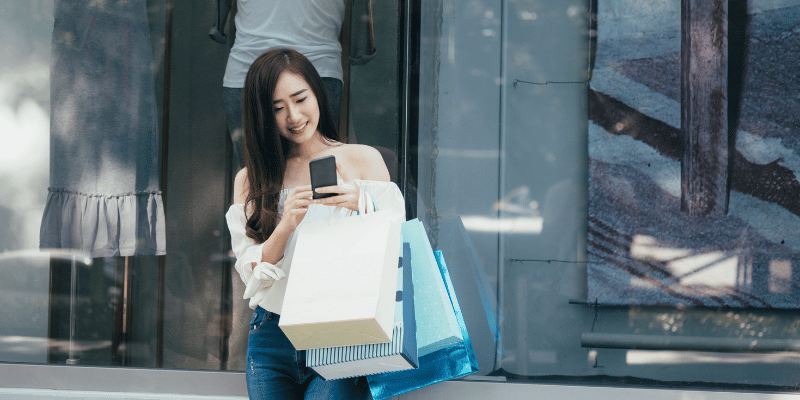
(298, 128)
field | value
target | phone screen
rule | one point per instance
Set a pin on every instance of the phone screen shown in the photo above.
(323, 173)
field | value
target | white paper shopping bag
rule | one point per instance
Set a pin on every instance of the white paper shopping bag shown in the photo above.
(398, 355)
(341, 288)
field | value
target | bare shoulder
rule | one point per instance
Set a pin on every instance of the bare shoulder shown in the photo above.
(241, 187)
(366, 160)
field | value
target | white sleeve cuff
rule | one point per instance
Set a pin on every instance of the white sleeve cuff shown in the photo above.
(262, 277)
(267, 272)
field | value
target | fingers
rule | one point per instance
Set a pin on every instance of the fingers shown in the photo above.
(345, 195)
(297, 203)
(342, 198)
(298, 199)
(339, 189)
(295, 215)
(297, 212)
(301, 192)
(349, 200)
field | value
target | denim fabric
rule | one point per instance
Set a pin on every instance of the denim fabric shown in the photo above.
(232, 101)
(275, 370)
(333, 88)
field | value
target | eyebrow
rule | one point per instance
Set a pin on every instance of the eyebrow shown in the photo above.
(291, 95)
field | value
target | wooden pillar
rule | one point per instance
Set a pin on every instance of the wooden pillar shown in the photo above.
(704, 107)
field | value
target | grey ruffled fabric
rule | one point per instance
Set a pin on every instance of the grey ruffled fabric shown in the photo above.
(104, 226)
(104, 196)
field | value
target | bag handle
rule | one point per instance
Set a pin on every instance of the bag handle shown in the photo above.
(362, 202)
(365, 204)
(364, 199)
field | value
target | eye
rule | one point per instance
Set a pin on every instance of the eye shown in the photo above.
(302, 100)
(276, 109)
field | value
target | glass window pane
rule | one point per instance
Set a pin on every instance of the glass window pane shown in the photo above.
(25, 125)
(128, 95)
(503, 150)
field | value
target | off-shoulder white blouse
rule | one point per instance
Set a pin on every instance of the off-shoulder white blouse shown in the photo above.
(266, 283)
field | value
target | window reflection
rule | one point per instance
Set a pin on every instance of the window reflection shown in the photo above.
(511, 164)
(123, 70)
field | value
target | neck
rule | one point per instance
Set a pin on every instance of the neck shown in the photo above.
(309, 148)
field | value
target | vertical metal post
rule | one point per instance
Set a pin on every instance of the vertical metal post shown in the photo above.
(73, 294)
(127, 308)
(121, 330)
(168, 6)
(704, 107)
(501, 184)
(345, 101)
(409, 90)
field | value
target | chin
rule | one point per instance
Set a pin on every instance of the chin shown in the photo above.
(298, 139)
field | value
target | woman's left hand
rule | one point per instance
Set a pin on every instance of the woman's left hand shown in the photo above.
(346, 193)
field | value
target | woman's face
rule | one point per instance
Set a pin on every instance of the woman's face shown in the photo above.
(296, 108)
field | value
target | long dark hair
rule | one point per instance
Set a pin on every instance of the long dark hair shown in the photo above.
(265, 150)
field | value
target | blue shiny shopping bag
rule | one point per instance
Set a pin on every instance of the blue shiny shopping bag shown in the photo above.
(450, 362)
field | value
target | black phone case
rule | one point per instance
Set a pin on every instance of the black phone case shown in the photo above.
(323, 173)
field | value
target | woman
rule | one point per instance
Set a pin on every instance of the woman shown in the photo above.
(287, 123)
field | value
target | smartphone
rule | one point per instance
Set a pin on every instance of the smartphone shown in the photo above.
(323, 173)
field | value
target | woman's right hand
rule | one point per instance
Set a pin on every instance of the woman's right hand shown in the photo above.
(296, 206)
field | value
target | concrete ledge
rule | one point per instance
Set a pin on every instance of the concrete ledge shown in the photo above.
(123, 380)
(503, 390)
(49, 394)
(39, 382)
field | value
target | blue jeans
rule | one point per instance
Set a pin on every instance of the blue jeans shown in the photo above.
(275, 370)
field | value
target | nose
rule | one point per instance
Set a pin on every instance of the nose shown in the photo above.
(293, 113)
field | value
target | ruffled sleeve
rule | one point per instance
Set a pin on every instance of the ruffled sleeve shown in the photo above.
(259, 279)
